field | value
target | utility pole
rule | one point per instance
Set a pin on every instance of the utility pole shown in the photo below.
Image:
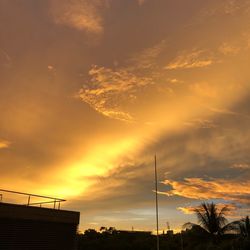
(156, 207)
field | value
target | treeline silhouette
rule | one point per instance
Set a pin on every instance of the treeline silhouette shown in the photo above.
(211, 233)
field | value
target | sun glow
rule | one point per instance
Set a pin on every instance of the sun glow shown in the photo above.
(76, 178)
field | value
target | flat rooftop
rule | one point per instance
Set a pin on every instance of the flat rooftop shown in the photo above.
(35, 222)
(26, 206)
(24, 212)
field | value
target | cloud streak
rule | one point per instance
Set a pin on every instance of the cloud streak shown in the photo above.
(194, 59)
(200, 189)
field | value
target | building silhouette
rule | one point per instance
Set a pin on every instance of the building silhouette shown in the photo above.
(33, 227)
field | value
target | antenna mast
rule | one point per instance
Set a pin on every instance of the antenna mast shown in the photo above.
(156, 207)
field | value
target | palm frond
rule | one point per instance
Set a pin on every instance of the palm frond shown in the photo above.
(223, 211)
(189, 225)
(202, 219)
(212, 220)
(231, 227)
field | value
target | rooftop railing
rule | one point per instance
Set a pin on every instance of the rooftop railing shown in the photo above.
(31, 199)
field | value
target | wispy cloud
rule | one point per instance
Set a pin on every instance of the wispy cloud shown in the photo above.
(191, 59)
(243, 166)
(79, 14)
(201, 123)
(229, 49)
(109, 91)
(228, 112)
(227, 7)
(148, 58)
(5, 58)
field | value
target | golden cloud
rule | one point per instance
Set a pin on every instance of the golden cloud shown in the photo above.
(4, 144)
(191, 59)
(198, 188)
(108, 89)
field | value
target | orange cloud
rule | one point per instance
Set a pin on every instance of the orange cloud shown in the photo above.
(4, 144)
(108, 89)
(193, 59)
(198, 188)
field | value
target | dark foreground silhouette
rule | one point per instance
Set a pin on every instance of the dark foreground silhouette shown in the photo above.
(191, 239)
(212, 232)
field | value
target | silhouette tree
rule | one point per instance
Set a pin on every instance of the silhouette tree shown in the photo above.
(211, 220)
(243, 227)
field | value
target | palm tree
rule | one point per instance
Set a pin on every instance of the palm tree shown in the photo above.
(243, 227)
(211, 220)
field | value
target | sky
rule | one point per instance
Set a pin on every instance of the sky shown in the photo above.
(91, 90)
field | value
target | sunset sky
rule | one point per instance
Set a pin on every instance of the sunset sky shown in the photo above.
(90, 90)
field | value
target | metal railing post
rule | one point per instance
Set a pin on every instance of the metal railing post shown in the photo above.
(29, 200)
(30, 203)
